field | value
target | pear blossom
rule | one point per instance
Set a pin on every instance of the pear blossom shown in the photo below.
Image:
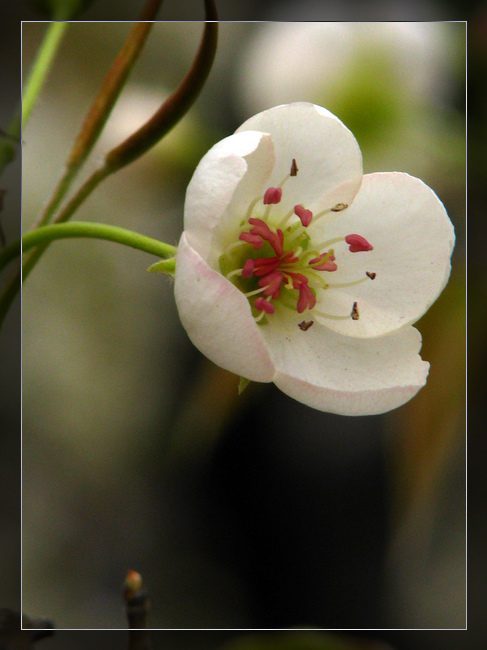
(297, 269)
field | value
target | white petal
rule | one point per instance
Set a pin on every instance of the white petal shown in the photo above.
(344, 375)
(326, 153)
(216, 180)
(413, 239)
(218, 319)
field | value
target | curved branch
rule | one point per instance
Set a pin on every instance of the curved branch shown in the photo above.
(175, 107)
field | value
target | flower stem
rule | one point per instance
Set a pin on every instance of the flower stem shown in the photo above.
(33, 86)
(41, 67)
(85, 229)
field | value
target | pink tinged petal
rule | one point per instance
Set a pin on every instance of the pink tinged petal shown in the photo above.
(304, 215)
(326, 153)
(264, 305)
(413, 240)
(339, 374)
(250, 238)
(233, 170)
(272, 195)
(358, 243)
(218, 318)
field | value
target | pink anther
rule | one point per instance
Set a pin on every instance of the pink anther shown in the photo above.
(264, 305)
(357, 243)
(303, 214)
(271, 284)
(265, 265)
(306, 298)
(261, 229)
(325, 262)
(248, 268)
(272, 195)
(251, 239)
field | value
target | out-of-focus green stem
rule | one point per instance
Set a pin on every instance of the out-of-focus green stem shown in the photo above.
(7, 141)
(8, 294)
(42, 236)
(38, 74)
(85, 229)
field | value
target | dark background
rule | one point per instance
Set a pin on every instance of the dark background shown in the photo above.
(274, 503)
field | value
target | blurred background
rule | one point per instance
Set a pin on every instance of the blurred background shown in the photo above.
(137, 451)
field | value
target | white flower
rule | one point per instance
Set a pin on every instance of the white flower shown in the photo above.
(294, 268)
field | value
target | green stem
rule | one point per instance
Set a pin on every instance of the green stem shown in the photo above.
(45, 57)
(8, 294)
(85, 229)
(7, 139)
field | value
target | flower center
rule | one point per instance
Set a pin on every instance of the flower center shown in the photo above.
(276, 264)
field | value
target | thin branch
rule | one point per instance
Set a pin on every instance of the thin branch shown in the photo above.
(81, 229)
(175, 107)
(101, 107)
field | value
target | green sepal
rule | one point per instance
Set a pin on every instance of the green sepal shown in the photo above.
(164, 266)
(242, 384)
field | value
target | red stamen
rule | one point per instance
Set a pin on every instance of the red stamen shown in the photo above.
(303, 214)
(306, 298)
(261, 229)
(264, 305)
(328, 263)
(358, 243)
(248, 268)
(272, 195)
(272, 284)
(251, 239)
(265, 265)
(297, 278)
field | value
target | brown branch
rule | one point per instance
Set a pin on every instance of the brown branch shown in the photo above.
(102, 106)
(175, 107)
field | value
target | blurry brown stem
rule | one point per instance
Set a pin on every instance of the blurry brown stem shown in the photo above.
(174, 108)
(102, 106)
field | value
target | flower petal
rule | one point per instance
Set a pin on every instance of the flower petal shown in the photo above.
(217, 317)
(339, 374)
(326, 153)
(246, 157)
(413, 239)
